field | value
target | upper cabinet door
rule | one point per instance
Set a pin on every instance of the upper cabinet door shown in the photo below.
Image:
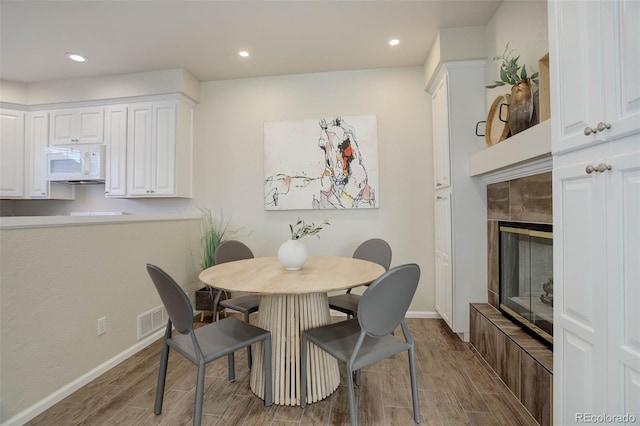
(12, 153)
(77, 125)
(440, 111)
(577, 73)
(621, 32)
(116, 141)
(595, 63)
(37, 143)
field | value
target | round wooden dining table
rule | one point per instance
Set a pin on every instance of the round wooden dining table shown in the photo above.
(291, 302)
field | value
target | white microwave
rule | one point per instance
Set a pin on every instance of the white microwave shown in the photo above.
(76, 163)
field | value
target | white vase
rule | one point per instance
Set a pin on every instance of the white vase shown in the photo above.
(292, 254)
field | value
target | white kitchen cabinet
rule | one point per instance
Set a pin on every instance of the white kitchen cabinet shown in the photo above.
(115, 135)
(37, 185)
(76, 125)
(596, 206)
(595, 71)
(12, 143)
(159, 149)
(37, 138)
(458, 102)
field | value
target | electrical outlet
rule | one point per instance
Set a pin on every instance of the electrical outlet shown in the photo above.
(102, 325)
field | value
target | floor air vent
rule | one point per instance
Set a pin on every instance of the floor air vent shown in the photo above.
(150, 321)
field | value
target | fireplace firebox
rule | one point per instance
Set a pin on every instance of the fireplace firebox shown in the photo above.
(526, 276)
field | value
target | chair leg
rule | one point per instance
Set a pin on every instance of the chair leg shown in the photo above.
(353, 413)
(197, 415)
(303, 372)
(250, 360)
(268, 383)
(232, 367)
(162, 376)
(414, 385)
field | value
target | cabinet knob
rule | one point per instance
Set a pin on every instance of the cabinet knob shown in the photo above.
(438, 184)
(589, 130)
(603, 126)
(601, 168)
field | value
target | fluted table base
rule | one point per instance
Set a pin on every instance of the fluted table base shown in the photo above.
(287, 316)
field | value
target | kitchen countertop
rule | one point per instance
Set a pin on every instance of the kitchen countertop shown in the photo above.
(18, 222)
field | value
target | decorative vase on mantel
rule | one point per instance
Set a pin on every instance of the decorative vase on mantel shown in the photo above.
(521, 106)
(292, 254)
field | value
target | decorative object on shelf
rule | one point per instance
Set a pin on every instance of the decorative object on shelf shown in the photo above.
(293, 253)
(215, 229)
(521, 106)
(497, 127)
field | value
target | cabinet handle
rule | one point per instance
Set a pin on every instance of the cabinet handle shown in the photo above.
(589, 130)
(599, 168)
(438, 184)
(603, 126)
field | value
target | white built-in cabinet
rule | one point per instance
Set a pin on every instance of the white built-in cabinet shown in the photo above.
(443, 271)
(12, 153)
(115, 135)
(159, 149)
(458, 102)
(595, 63)
(77, 125)
(440, 112)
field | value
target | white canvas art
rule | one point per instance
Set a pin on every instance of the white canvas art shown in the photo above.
(324, 163)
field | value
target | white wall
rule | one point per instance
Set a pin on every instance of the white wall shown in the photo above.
(57, 282)
(229, 150)
(522, 24)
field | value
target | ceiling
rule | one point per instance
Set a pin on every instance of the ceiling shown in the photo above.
(204, 37)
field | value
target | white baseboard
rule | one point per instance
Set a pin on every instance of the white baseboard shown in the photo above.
(48, 402)
(423, 314)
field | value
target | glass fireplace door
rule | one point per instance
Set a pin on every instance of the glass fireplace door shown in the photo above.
(526, 276)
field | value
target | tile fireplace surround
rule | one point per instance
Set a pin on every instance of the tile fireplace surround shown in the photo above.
(523, 363)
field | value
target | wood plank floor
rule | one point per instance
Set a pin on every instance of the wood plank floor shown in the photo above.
(455, 386)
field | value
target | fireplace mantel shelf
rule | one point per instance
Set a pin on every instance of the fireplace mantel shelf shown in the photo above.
(527, 153)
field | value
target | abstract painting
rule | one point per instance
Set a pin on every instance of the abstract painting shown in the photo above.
(325, 163)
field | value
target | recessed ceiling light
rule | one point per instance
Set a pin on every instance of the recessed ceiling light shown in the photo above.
(76, 57)
(243, 53)
(394, 42)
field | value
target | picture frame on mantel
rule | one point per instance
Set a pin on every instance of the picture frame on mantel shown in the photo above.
(321, 163)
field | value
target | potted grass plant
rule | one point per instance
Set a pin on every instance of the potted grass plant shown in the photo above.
(215, 229)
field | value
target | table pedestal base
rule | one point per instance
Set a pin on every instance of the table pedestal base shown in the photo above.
(287, 316)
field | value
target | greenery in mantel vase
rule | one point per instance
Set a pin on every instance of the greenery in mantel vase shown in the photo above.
(510, 71)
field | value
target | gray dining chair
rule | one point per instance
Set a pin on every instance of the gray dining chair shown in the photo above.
(374, 250)
(367, 339)
(229, 251)
(205, 344)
